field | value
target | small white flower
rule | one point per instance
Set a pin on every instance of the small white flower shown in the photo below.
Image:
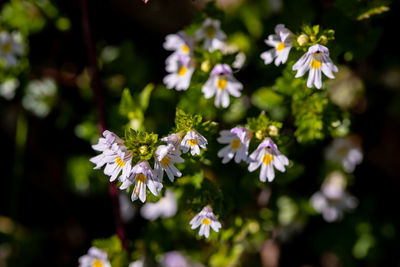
(346, 152)
(138, 263)
(181, 73)
(175, 259)
(192, 141)
(10, 47)
(332, 200)
(281, 43)
(316, 60)
(165, 158)
(8, 88)
(181, 44)
(121, 161)
(212, 34)
(141, 176)
(114, 154)
(221, 84)
(268, 156)
(166, 207)
(95, 258)
(174, 140)
(238, 140)
(205, 218)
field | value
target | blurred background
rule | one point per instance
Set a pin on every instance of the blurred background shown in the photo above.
(53, 204)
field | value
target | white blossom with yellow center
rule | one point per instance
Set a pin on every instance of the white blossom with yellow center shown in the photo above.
(267, 156)
(10, 47)
(281, 42)
(165, 158)
(316, 60)
(221, 84)
(142, 176)
(180, 44)
(95, 258)
(205, 219)
(345, 151)
(238, 140)
(211, 34)
(114, 155)
(180, 74)
(193, 141)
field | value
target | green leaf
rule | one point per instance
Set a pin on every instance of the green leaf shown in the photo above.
(265, 98)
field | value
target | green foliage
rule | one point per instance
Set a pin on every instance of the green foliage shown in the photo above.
(263, 127)
(134, 109)
(141, 144)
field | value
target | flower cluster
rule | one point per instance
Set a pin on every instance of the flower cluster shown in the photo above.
(316, 60)
(266, 155)
(181, 64)
(117, 155)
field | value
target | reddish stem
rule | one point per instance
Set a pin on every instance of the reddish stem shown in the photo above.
(99, 105)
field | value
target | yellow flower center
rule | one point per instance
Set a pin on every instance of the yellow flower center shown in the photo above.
(165, 161)
(268, 158)
(206, 221)
(182, 71)
(210, 31)
(6, 48)
(97, 263)
(192, 142)
(141, 178)
(316, 64)
(221, 84)
(119, 162)
(235, 144)
(280, 47)
(185, 49)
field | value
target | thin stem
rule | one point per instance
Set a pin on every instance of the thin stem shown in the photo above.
(99, 105)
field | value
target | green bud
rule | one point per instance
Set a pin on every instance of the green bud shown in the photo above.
(302, 40)
(324, 40)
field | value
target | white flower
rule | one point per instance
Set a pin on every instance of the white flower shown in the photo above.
(138, 263)
(238, 140)
(120, 161)
(192, 141)
(205, 218)
(165, 158)
(267, 155)
(166, 207)
(174, 140)
(8, 88)
(221, 84)
(114, 154)
(94, 258)
(346, 152)
(10, 47)
(332, 200)
(181, 44)
(212, 34)
(141, 176)
(181, 73)
(316, 60)
(281, 43)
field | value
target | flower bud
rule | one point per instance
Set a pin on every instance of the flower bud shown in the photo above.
(143, 150)
(205, 66)
(272, 130)
(302, 39)
(324, 40)
(259, 134)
